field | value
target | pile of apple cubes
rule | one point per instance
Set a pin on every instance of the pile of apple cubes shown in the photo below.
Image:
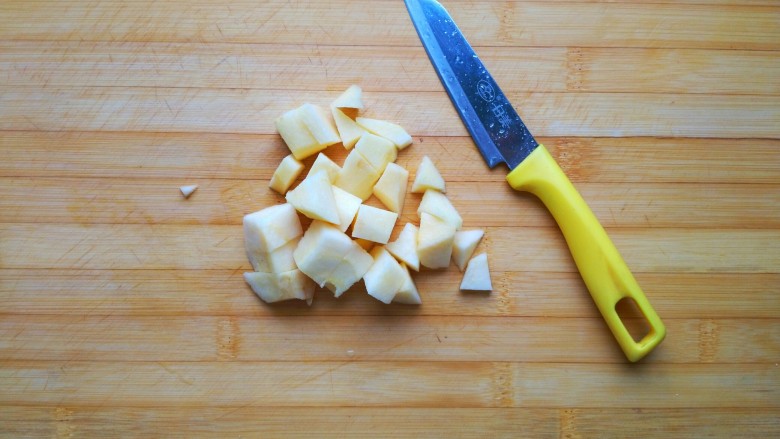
(288, 263)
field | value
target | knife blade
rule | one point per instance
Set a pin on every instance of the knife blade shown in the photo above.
(501, 137)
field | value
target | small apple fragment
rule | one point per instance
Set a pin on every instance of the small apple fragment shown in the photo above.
(374, 224)
(296, 136)
(390, 131)
(377, 151)
(349, 131)
(405, 247)
(434, 241)
(391, 187)
(357, 176)
(186, 191)
(385, 277)
(438, 205)
(477, 275)
(463, 247)
(427, 177)
(276, 287)
(351, 98)
(288, 170)
(347, 206)
(314, 198)
(320, 124)
(408, 293)
(324, 163)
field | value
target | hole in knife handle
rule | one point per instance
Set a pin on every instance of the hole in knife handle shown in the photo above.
(632, 318)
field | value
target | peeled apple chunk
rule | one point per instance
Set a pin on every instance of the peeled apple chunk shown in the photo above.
(349, 131)
(347, 205)
(269, 229)
(391, 187)
(408, 293)
(463, 247)
(438, 205)
(320, 124)
(427, 177)
(314, 198)
(296, 135)
(276, 261)
(434, 241)
(390, 131)
(351, 98)
(321, 250)
(405, 247)
(374, 224)
(350, 270)
(385, 277)
(477, 275)
(324, 163)
(331, 258)
(276, 287)
(288, 170)
(377, 151)
(357, 176)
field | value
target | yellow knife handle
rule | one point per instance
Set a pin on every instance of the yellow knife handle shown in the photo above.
(602, 268)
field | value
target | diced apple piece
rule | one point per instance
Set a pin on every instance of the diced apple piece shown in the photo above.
(314, 198)
(324, 163)
(357, 176)
(320, 124)
(349, 131)
(427, 177)
(391, 187)
(350, 270)
(275, 287)
(321, 250)
(463, 247)
(377, 151)
(288, 170)
(390, 131)
(365, 244)
(477, 275)
(408, 293)
(374, 224)
(405, 247)
(186, 191)
(434, 241)
(298, 138)
(351, 98)
(268, 229)
(385, 277)
(347, 206)
(438, 205)
(277, 261)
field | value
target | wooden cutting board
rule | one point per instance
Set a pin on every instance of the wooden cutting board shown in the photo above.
(123, 311)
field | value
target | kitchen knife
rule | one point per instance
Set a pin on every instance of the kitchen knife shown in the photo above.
(501, 136)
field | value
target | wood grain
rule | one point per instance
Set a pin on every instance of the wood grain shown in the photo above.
(99, 338)
(424, 113)
(386, 23)
(360, 422)
(277, 66)
(123, 310)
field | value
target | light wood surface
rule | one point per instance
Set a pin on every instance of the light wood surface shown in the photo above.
(123, 311)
